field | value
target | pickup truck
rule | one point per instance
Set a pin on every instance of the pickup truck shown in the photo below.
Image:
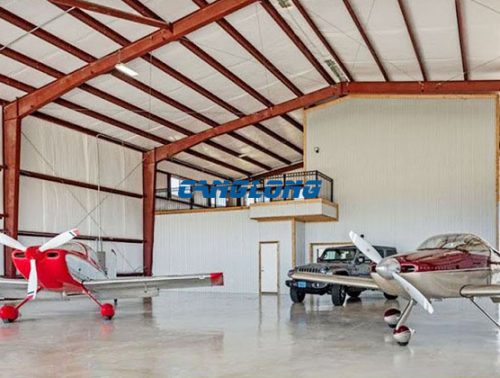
(344, 260)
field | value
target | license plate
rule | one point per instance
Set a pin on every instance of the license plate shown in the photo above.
(302, 284)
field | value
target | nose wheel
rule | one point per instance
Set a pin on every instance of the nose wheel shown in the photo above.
(402, 335)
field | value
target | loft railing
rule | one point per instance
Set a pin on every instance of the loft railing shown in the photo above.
(169, 199)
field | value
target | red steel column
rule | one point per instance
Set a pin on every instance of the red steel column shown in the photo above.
(11, 159)
(148, 209)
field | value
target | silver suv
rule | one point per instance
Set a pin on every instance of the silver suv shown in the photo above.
(345, 260)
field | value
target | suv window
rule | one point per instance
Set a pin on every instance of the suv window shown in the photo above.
(389, 252)
(338, 254)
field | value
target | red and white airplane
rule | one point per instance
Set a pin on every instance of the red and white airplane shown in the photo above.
(444, 266)
(67, 267)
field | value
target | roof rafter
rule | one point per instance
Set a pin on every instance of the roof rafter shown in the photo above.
(273, 12)
(414, 43)
(33, 101)
(108, 11)
(368, 43)
(118, 38)
(461, 38)
(216, 65)
(302, 10)
(119, 124)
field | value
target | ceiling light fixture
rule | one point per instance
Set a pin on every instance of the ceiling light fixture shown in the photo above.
(126, 70)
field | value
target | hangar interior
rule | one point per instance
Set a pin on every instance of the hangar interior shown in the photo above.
(107, 106)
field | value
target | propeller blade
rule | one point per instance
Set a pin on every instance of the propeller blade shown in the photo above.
(32, 280)
(12, 243)
(365, 247)
(60, 239)
(414, 293)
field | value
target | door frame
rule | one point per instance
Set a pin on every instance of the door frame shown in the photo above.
(312, 244)
(277, 266)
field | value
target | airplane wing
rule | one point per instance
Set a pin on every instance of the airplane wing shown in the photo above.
(13, 288)
(366, 283)
(133, 287)
(480, 291)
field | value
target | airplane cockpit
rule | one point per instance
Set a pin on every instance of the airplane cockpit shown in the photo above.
(457, 242)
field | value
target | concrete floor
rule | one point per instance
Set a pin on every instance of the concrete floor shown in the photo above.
(188, 334)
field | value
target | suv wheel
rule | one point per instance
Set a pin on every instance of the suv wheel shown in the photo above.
(338, 295)
(352, 292)
(390, 297)
(296, 295)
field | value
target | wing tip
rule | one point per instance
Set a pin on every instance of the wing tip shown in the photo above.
(217, 279)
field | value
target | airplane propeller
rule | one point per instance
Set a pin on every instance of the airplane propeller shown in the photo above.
(55, 242)
(390, 269)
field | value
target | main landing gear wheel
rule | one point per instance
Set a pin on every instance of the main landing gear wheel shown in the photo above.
(338, 295)
(8, 313)
(296, 295)
(353, 293)
(107, 311)
(390, 297)
(391, 317)
(402, 335)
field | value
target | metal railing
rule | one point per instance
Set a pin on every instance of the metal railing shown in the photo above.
(169, 199)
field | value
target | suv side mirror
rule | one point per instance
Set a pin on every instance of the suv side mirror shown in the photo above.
(360, 259)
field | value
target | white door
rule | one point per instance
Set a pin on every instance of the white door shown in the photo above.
(269, 267)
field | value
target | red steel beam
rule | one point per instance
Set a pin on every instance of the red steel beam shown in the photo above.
(414, 43)
(271, 10)
(243, 42)
(322, 38)
(108, 11)
(11, 132)
(148, 208)
(114, 36)
(33, 101)
(461, 38)
(139, 7)
(101, 117)
(165, 152)
(366, 39)
(422, 88)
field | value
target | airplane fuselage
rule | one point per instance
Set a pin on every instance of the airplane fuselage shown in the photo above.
(58, 269)
(438, 273)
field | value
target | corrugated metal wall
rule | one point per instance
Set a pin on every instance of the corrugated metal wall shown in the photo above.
(54, 207)
(405, 169)
(215, 241)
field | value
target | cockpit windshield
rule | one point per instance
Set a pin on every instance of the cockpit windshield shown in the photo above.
(81, 248)
(457, 242)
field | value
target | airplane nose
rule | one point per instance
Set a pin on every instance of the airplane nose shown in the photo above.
(387, 267)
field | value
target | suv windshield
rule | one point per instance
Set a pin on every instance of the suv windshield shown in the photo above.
(338, 254)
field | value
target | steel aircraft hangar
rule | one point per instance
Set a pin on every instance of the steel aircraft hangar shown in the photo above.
(193, 187)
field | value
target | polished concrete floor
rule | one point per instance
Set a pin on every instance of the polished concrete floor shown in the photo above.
(188, 334)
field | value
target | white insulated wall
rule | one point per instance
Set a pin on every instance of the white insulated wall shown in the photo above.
(214, 241)
(405, 169)
(53, 207)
